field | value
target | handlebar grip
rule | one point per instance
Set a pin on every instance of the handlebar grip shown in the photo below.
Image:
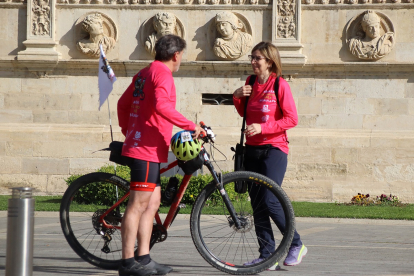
(203, 134)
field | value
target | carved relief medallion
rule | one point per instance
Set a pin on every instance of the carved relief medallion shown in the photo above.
(160, 24)
(370, 35)
(41, 17)
(233, 36)
(96, 28)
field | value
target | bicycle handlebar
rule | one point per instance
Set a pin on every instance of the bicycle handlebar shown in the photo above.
(207, 134)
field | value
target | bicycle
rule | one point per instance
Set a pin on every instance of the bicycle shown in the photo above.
(225, 239)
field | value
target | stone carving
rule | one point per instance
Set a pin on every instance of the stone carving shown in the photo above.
(370, 36)
(41, 17)
(286, 27)
(233, 42)
(163, 23)
(99, 29)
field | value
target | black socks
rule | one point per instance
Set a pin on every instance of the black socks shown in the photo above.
(144, 259)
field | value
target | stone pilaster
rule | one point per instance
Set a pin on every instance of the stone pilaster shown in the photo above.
(40, 55)
(286, 30)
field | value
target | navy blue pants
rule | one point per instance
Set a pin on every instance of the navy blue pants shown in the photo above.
(265, 204)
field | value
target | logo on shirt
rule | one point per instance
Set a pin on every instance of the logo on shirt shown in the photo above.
(265, 118)
(135, 144)
(137, 136)
(139, 87)
(270, 98)
(265, 108)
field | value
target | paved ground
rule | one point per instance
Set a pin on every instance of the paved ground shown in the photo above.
(336, 247)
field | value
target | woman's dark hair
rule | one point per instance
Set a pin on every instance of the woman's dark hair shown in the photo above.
(167, 46)
(270, 52)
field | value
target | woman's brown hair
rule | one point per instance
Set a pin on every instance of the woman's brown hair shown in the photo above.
(270, 52)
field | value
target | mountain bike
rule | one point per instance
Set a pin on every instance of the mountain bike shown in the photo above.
(222, 227)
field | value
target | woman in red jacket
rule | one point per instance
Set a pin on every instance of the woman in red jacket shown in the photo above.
(267, 120)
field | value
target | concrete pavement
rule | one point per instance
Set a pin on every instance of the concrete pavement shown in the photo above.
(335, 247)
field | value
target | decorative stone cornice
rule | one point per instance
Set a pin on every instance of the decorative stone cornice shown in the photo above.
(330, 5)
(168, 6)
(87, 67)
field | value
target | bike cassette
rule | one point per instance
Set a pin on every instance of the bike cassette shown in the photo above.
(112, 218)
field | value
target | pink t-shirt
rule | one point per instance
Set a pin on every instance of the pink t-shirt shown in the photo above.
(146, 114)
(262, 109)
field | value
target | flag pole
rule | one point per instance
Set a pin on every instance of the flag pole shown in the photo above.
(110, 121)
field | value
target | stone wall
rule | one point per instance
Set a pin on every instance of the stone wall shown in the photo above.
(356, 126)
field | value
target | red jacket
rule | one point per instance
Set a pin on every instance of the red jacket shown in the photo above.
(146, 114)
(262, 109)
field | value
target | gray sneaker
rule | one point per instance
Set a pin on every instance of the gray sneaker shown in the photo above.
(159, 268)
(136, 270)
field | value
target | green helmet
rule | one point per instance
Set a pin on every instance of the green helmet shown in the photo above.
(184, 146)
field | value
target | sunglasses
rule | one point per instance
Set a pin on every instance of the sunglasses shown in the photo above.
(255, 58)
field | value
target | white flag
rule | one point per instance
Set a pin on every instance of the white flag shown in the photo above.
(106, 78)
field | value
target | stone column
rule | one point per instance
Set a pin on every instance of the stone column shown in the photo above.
(40, 55)
(286, 30)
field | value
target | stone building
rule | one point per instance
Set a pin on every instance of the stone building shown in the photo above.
(349, 64)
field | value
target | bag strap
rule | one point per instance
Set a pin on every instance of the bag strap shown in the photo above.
(251, 83)
(276, 88)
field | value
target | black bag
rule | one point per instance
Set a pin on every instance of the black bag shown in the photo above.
(241, 186)
(190, 166)
(116, 153)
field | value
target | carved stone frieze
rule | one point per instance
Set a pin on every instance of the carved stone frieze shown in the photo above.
(370, 35)
(40, 17)
(160, 24)
(95, 28)
(157, 2)
(232, 39)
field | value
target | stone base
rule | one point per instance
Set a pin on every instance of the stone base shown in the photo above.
(324, 165)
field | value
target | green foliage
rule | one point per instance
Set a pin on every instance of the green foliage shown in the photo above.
(101, 193)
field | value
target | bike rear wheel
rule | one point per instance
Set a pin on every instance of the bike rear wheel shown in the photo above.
(85, 200)
(219, 241)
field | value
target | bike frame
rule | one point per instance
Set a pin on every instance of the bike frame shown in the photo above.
(172, 211)
(174, 206)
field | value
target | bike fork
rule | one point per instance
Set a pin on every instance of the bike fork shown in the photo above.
(223, 193)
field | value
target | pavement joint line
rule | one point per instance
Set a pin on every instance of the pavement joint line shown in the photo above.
(45, 214)
(313, 230)
(364, 247)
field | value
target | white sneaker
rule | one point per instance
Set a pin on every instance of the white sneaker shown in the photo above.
(274, 267)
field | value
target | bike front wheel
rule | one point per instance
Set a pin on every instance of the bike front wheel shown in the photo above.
(229, 248)
(83, 203)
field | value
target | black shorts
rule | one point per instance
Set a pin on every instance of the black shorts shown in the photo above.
(145, 175)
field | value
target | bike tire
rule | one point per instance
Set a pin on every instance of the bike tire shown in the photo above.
(82, 230)
(218, 241)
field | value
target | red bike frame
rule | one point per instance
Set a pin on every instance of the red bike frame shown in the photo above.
(171, 212)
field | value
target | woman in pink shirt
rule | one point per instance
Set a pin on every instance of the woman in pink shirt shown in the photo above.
(267, 119)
